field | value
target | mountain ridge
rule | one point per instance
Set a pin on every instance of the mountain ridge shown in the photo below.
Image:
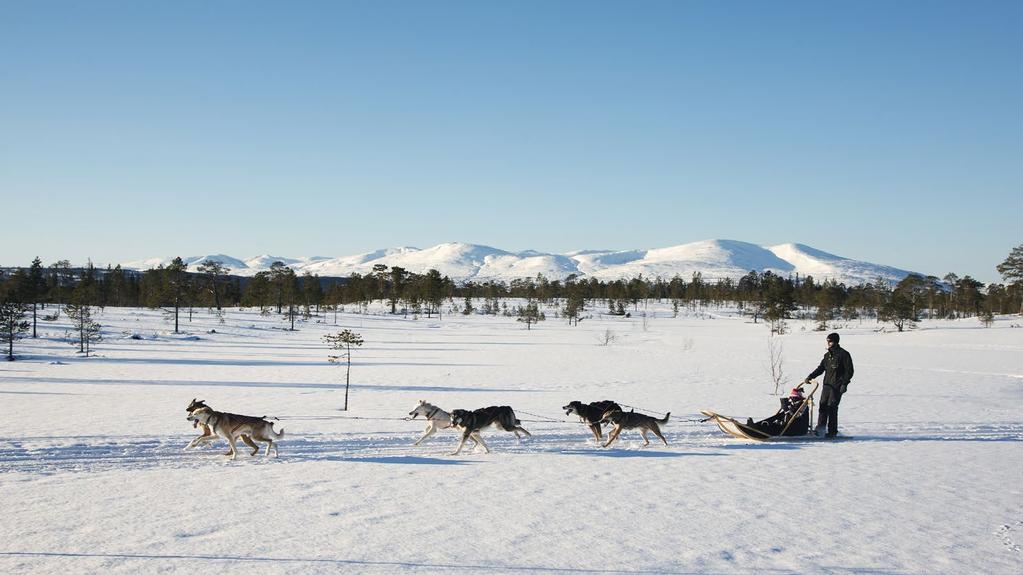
(713, 259)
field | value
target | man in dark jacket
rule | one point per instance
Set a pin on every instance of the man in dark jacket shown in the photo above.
(837, 367)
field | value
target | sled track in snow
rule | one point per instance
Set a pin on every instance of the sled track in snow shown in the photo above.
(57, 454)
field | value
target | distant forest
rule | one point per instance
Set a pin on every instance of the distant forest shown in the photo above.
(761, 295)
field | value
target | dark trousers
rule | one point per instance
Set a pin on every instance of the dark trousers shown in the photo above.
(827, 415)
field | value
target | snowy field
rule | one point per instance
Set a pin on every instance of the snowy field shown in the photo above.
(93, 478)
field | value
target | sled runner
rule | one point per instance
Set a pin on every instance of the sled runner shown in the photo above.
(793, 423)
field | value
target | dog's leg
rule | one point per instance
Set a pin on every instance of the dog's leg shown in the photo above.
(479, 441)
(206, 437)
(430, 429)
(248, 441)
(595, 430)
(465, 435)
(269, 444)
(523, 430)
(646, 440)
(613, 436)
(657, 431)
(234, 450)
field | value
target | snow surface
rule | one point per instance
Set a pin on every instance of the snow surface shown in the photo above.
(94, 479)
(715, 259)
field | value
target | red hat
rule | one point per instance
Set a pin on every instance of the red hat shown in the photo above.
(796, 392)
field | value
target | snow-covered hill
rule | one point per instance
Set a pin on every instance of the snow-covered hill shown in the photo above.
(714, 259)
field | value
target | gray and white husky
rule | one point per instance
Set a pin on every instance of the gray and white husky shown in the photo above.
(436, 418)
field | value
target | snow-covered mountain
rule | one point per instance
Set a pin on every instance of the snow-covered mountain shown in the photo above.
(714, 259)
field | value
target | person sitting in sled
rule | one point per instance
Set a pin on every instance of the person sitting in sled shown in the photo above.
(775, 424)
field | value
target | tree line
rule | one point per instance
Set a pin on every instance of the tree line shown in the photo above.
(176, 288)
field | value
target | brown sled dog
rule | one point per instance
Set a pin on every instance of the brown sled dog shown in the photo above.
(231, 426)
(207, 434)
(591, 413)
(632, 420)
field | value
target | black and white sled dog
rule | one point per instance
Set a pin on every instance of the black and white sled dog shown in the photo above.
(591, 413)
(436, 418)
(231, 426)
(470, 423)
(207, 434)
(632, 420)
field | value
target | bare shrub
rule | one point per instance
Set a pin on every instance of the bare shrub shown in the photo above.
(775, 349)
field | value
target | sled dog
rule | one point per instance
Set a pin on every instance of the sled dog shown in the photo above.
(632, 420)
(472, 422)
(591, 413)
(207, 434)
(231, 426)
(436, 418)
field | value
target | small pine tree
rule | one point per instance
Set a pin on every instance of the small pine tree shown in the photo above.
(343, 342)
(12, 324)
(986, 317)
(899, 310)
(176, 286)
(87, 330)
(530, 314)
(35, 286)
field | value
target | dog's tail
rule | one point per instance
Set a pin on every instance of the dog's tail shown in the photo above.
(665, 419)
(276, 435)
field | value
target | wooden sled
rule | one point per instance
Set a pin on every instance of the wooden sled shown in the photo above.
(738, 429)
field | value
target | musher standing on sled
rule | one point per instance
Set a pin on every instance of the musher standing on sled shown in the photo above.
(837, 367)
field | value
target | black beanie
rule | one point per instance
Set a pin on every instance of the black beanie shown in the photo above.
(833, 337)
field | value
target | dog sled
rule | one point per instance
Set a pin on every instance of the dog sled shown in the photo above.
(792, 420)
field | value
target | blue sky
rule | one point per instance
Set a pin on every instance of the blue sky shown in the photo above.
(883, 131)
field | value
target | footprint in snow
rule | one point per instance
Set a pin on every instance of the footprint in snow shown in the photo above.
(1005, 534)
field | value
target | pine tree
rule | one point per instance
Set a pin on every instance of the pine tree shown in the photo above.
(779, 301)
(899, 309)
(213, 272)
(574, 304)
(34, 287)
(291, 293)
(61, 277)
(986, 317)
(398, 277)
(312, 291)
(87, 330)
(258, 292)
(1012, 270)
(12, 323)
(433, 291)
(530, 314)
(176, 286)
(279, 277)
(343, 342)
